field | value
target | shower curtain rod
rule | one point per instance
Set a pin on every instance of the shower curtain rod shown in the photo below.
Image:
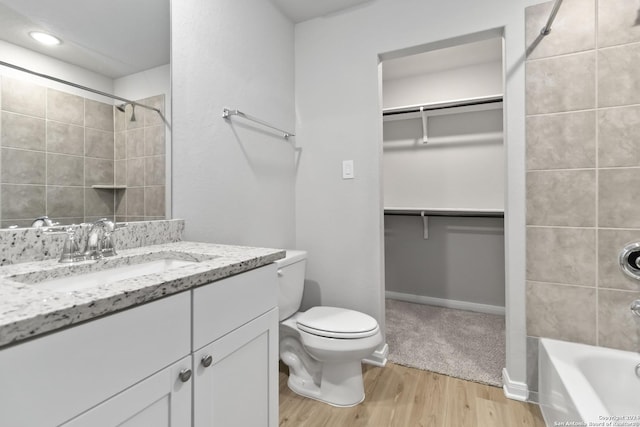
(547, 28)
(88, 89)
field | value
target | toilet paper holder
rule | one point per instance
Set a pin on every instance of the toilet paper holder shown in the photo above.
(629, 260)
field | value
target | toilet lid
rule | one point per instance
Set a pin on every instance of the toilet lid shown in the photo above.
(334, 322)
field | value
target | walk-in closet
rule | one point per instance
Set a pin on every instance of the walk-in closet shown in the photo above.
(443, 185)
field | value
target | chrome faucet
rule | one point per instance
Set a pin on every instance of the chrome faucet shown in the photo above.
(43, 221)
(100, 239)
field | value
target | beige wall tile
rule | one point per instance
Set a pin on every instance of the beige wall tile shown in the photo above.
(561, 255)
(120, 146)
(573, 30)
(154, 201)
(98, 115)
(152, 118)
(618, 326)
(135, 143)
(121, 204)
(27, 201)
(65, 139)
(98, 171)
(64, 107)
(98, 203)
(610, 243)
(65, 170)
(22, 132)
(23, 166)
(154, 171)
(65, 202)
(563, 83)
(618, 22)
(121, 172)
(135, 202)
(562, 312)
(619, 136)
(99, 143)
(561, 141)
(154, 140)
(565, 198)
(618, 76)
(23, 97)
(135, 172)
(618, 191)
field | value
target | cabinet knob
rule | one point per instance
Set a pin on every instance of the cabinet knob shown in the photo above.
(185, 375)
(206, 360)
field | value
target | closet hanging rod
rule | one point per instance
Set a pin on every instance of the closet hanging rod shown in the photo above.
(78, 86)
(443, 105)
(227, 113)
(446, 212)
(547, 28)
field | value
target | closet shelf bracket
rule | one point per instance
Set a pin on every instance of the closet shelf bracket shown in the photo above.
(425, 120)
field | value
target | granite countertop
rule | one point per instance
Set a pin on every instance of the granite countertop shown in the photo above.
(27, 310)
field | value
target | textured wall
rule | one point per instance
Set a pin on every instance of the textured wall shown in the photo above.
(583, 171)
(233, 180)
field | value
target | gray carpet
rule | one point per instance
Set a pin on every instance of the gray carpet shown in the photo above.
(458, 343)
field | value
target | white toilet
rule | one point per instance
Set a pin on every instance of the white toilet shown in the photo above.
(322, 346)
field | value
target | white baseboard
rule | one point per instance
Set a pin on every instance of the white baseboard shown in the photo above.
(449, 303)
(513, 389)
(378, 357)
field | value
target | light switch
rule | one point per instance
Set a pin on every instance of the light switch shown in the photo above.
(347, 169)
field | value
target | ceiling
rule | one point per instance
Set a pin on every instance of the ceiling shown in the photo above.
(303, 10)
(463, 55)
(116, 38)
(113, 38)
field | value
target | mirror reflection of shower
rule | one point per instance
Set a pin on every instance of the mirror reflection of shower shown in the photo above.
(122, 107)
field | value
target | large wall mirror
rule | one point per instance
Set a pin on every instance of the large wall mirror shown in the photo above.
(72, 154)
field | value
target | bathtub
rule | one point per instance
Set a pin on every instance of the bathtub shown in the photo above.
(586, 385)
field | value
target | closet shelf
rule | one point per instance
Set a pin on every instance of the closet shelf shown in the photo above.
(489, 213)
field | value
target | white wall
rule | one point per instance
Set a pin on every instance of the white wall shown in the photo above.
(43, 64)
(338, 117)
(233, 182)
(461, 167)
(458, 83)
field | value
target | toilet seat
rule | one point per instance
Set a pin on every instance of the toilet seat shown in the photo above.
(334, 322)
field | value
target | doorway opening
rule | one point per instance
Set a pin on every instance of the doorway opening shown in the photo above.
(443, 185)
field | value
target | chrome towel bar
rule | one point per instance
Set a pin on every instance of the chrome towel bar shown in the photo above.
(227, 113)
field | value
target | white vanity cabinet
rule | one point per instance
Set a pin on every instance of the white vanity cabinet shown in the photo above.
(205, 358)
(235, 341)
(51, 380)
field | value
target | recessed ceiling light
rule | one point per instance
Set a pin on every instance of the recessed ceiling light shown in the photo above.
(44, 38)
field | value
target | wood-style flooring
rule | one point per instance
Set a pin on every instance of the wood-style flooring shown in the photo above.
(397, 396)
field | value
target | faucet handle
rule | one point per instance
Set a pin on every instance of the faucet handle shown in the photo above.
(108, 244)
(70, 248)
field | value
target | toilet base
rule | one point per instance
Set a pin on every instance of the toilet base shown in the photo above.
(341, 384)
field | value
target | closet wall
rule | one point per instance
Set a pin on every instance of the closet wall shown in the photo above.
(450, 260)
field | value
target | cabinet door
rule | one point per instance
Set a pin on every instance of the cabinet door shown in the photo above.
(162, 400)
(240, 386)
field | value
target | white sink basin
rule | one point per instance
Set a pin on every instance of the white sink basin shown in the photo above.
(111, 275)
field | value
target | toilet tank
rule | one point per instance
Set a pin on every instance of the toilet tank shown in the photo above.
(290, 282)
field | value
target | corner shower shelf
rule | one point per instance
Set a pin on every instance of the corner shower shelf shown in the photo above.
(109, 187)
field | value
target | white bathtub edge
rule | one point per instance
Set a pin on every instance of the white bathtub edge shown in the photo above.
(514, 390)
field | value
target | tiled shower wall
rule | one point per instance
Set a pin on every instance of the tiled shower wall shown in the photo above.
(55, 146)
(583, 171)
(140, 162)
